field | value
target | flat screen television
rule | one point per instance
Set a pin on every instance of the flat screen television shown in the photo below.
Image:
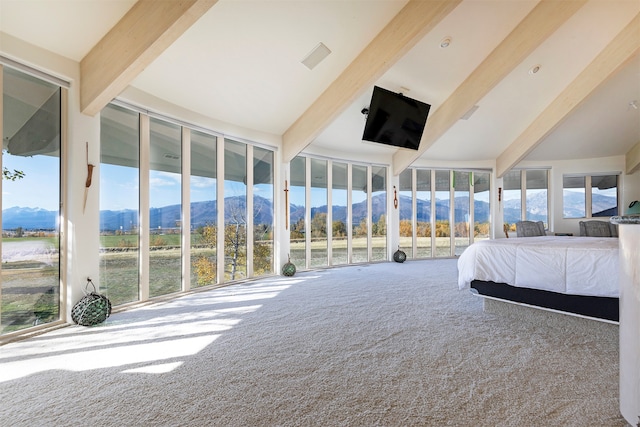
(395, 119)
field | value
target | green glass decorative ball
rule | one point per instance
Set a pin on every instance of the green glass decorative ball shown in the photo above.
(288, 269)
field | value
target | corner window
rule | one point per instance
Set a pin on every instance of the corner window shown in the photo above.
(588, 196)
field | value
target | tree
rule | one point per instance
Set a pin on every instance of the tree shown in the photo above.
(405, 228)
(381, 226)
(12, 175)
(206, 267)
(339, 229)
(361, 229)
(297, 229)
(235, 239)
(319, 225)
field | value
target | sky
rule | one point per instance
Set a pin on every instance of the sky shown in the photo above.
(40, 187)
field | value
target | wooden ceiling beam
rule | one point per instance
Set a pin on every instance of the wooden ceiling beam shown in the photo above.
(632, 160)
(543, 20)
(622, 48)
(402, 33)
(142, 34)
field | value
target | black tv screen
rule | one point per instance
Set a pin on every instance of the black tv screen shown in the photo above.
(395, 119)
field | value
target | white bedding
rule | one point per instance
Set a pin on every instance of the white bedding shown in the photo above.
(564, 264)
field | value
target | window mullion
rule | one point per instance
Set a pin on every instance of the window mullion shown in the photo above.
(186, 208)
(588, 197)
(144, 221)
(220, 150)
(249, 211)
(329, 212)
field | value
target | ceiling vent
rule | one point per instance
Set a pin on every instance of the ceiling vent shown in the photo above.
(316, 56)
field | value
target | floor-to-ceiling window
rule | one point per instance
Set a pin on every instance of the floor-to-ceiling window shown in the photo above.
(443, 213)
(481, 205)
(345, 207)
(405, 214)
(215, 253)
(461, 210)
(31, 144)
(297, 212)
(119, 204)
(235, 210)
(319, 225)
(202, 190)
(339, 243)
(458, 199)
(378, 213)
(165, 208)
(424, 216)
(359, 213)
(262, 211)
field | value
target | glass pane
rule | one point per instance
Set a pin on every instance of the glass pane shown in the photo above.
(443, 203)
(262, 211)
(604, 195)
(573, 197)
(378, 213)
(512, 198)
(119, 204)
(318, 213)
(405, 205)
(536, 196)
(297, 209)
(165, 208)
(359, 214)
(423, 213)
(339, 214)
(462, 209)
(30, 287)
(481, 205)
(235, 210)
(202, 187)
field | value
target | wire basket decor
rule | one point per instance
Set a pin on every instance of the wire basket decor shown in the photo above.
(92, 309)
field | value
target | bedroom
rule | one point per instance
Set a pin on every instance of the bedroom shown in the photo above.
(262, 68)
(254, 88)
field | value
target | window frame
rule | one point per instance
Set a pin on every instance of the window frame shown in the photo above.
(588, 194)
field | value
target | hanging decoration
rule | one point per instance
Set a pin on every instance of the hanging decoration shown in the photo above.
(286, 205)
(395, 197)
(87, 183)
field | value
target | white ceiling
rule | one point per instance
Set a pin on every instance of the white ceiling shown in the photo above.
(240, 63)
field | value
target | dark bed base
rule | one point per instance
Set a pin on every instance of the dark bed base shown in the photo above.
(606, 308)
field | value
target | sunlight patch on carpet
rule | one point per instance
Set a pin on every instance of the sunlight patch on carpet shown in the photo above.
(154, 369)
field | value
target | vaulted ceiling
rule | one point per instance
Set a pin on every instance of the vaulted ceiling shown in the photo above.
(239, 62)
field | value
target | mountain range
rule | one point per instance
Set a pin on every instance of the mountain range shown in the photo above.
(203, 213)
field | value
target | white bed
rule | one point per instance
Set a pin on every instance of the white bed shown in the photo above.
(550, 266)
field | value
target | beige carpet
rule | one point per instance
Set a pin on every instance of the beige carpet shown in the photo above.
(378, 345)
